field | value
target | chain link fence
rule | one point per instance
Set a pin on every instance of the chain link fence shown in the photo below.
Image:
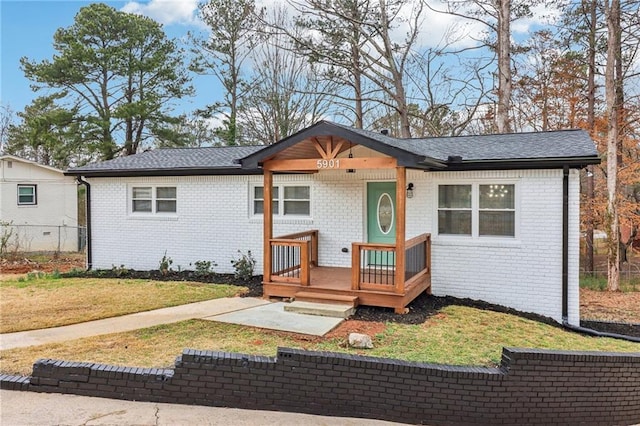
(41, 238)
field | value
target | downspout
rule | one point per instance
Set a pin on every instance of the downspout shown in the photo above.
(565, 244)
(565, 269)
(88, 205)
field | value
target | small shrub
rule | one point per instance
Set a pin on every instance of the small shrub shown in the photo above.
(165, 264)
(244, 266)
(120, 271)
(204, 267)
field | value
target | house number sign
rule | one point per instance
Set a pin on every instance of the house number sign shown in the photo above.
(328, 164)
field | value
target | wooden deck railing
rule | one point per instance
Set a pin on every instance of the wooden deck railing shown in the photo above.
(292, 256)
(417, 257)
(373, 265)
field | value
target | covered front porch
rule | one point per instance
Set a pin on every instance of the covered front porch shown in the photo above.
(388, 268)
(374, 278)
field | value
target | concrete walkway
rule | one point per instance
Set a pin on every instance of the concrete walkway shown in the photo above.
(31, 408)
(130, 322)
(236, 310)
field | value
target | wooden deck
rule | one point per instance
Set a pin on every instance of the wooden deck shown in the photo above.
(337, 281)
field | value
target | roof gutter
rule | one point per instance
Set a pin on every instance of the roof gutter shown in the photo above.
(88, 206)
(163, 172)
(530, 163)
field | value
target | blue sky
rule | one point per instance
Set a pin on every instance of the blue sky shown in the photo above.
(27, 29)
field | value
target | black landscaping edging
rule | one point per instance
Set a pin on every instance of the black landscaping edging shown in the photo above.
(622, 328)
(530, 387)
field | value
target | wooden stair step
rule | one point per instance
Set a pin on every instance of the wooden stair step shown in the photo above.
(308, 296)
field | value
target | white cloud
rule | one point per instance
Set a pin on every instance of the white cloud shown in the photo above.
(166, 12)
(542, 15)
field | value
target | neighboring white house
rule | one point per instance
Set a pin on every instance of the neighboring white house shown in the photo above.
(38, 205)
(501, 213)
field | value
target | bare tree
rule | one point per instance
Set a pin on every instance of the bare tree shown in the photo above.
(367, 46)
(496, 16)
(288, 93)
(222, 52)
(6, 120)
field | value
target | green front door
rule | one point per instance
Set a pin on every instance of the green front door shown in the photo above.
(381, 220)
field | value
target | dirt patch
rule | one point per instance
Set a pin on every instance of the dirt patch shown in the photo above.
(41, 263)
(610, 306)
(349, 326)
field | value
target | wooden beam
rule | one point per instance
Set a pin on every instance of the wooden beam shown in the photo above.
(311, 164)
(267, 215)
(319, 148)
(336, 149)
(401, 213)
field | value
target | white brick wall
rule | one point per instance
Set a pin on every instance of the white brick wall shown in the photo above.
(213, 222)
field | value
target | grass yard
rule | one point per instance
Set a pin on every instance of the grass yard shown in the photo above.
(29, 304)
(457, 335)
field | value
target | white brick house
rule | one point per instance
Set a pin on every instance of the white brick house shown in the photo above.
(496, 216)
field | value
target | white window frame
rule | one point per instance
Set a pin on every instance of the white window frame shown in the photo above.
(281, 200)
(33, 186)
(475, 210)
(154, 199)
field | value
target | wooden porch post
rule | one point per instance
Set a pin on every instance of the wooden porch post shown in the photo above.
(401, 207)
(267, 214)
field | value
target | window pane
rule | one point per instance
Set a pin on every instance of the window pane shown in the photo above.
(456, 222)
(454, 196)
(497, 197)
(500, 223)
(258, 207)
(296, 207)
(142, 206)
(26, 190)
(27, 194)
(166, 206)
(258, 193)
(166, 192)
(144, 193)
(296, 192)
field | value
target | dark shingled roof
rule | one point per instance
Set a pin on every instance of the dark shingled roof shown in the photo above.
(507, 151)
(508, 146)
(186, 161)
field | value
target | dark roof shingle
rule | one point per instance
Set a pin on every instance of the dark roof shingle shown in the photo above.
(499, 150)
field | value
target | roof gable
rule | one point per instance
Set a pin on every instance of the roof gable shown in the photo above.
(8, 157)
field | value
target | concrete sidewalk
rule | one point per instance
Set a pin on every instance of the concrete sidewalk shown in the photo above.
(130, 322)
(42, 409)
(248, 311)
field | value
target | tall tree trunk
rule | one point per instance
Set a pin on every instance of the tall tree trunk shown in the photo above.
(591, 120)
(504, 66)
(612, 11)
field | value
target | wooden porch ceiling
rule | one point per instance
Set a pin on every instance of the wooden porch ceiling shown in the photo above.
(308, 148)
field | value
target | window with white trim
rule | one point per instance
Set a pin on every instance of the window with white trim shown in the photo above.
(27, 195)
(154, 199)
(287, 200)
(478, 210)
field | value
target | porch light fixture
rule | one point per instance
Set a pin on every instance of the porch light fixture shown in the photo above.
(410, 190)
(350, 156)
